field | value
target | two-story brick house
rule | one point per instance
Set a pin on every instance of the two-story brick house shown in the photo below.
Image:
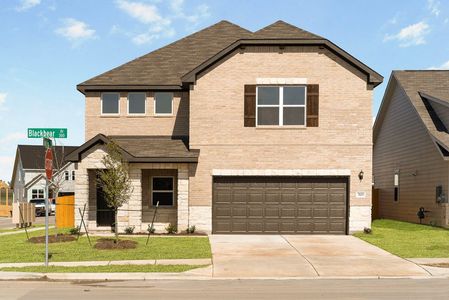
(235, 131)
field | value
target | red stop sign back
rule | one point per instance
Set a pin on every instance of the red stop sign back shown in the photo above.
(49, 164)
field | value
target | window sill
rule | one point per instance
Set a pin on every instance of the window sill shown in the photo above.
(163, 116)
(137, 116)
(110, 116)
(281, 127)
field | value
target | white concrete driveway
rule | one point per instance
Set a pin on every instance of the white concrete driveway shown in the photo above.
(250, 256)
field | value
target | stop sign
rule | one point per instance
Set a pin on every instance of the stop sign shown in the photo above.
(49, 164)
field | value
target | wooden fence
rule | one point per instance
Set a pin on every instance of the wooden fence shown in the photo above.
(65, 212)
(5, 202)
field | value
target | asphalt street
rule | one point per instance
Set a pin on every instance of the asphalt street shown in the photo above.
(230, 289)
(5, 223)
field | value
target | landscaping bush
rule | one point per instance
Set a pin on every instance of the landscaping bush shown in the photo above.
(74, 230)
(171, 229)
(130, 229)
(151, 229)
(191, 229)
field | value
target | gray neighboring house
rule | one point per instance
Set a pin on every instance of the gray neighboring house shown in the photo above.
(28, 177)
(411, 147)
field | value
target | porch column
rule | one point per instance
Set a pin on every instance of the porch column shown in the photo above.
(135, 201)
(81, 194)
(183, 198)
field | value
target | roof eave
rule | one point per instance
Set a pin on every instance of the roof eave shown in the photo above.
(83, 88)
(373, 78)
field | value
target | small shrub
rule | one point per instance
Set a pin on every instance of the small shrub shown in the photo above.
(151, 229)
(130, 229)
(191, 229)
(367, 230)
(74, 230)
(171, 229)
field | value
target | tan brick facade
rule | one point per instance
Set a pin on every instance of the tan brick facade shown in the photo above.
(213, 119)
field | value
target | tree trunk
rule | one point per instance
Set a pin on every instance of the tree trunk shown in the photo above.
(116, 225)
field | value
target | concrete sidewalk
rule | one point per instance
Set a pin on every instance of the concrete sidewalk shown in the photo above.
(201, 261)
(23, 231)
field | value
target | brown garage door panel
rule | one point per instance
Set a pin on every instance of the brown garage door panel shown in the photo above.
(279, 205)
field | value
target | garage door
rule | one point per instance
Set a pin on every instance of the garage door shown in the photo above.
(272, 205)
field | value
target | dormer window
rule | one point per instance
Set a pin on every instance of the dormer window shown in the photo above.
(110, 103)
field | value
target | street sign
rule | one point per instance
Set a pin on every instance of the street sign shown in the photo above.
(47, 143)
(49, 163)
(36, 133)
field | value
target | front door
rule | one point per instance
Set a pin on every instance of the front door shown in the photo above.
(105, 214)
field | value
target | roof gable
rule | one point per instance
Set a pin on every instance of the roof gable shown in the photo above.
(418, 85)
(283, 30)
(174, 66)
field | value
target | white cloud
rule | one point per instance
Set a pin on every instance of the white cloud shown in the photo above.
(411, 35)
(200, 12)
(443, 66)
(145, 13)
(434, 7)
(2, 100)
(75, 30)
(27, 4)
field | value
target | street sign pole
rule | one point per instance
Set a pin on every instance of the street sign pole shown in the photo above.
(46, 223)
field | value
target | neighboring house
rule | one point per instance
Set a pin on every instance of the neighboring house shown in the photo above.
(235, 131)
(28, 177)
(411, 147)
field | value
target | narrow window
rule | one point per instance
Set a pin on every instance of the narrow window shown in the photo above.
(281, 105)
(33, 194)
(110, 103)
(396, 186)
(73, 174)
(163, 103)
(162, 191)
(136, 103)
(66, 175)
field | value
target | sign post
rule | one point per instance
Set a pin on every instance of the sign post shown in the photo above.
(48, 175)
(47, 134)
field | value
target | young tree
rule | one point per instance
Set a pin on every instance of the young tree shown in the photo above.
(115, 181)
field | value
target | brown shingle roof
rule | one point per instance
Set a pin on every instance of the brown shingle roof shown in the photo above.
(177, 63)
(420, 85)
(283, 30)
(143, 148)
(165, 66)
(32, 156)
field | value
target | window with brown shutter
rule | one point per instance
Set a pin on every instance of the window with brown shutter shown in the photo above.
(312, 105)
(250, 105)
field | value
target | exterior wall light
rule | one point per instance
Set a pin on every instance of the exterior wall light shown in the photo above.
(361, 175)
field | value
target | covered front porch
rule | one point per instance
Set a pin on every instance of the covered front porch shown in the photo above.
(159, 169)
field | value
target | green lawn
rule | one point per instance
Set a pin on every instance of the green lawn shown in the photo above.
(16, 248)
(106, 269)
(407, 239)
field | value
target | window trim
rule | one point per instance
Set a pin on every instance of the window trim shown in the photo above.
(101, 106)
(145, 106)
(154, 104)
(396, 184)
(38, 191)
(281, 105)
(164, 191)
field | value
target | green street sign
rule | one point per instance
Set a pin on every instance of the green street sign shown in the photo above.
(55, 133)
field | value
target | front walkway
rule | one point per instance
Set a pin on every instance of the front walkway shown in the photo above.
(250, 256)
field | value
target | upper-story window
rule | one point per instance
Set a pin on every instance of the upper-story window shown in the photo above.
(136, 103)
(110, 103)
(163, 103)
(66, 175)
(281, 105)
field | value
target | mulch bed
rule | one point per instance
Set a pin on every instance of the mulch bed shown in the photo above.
(108, 244)
(59, 238)
(170, 234)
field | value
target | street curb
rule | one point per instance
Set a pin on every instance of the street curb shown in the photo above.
(17, 276)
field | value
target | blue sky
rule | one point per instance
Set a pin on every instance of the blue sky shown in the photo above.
(48, 46)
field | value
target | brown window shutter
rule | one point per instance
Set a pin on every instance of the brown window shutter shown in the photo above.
(312, 105)
(250, 105)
